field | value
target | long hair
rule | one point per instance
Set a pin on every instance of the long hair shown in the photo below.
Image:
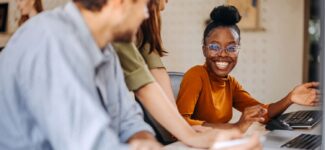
(38, 7)
(150, 30)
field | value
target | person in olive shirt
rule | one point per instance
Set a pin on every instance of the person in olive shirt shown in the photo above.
(154, 92)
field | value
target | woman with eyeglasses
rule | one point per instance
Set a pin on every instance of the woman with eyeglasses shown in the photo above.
(208, 93)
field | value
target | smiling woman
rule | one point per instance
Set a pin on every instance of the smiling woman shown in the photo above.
(221, 41)
(208, 93)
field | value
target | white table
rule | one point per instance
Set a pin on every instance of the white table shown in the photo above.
(255, 127)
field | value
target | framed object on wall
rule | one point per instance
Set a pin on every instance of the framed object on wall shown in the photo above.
(3, 16)
(249, 10)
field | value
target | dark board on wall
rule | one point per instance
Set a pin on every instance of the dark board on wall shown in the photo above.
(3, 16)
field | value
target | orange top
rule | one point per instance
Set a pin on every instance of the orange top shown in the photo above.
(206, 98)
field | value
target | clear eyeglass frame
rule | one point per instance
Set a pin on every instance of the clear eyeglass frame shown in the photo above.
(231, 49)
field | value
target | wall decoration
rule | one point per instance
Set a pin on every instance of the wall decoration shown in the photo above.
(249, 10)
(3, 16)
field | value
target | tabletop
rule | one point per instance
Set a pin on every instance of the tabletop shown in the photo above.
(255, 127)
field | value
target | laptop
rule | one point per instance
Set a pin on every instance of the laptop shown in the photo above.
(291, 140)
(303, 119)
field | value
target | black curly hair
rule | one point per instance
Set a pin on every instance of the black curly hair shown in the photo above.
(222, 16)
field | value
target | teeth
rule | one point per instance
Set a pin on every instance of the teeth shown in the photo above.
(222, 65)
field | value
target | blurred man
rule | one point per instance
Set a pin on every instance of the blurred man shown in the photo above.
(61, 83)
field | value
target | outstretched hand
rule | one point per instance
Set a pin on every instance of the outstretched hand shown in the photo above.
(306, 94)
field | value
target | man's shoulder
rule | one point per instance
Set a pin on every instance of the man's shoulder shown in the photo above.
(39, 28)
(47, 34)
(55, 22)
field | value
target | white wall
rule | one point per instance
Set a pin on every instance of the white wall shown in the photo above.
(270, 61)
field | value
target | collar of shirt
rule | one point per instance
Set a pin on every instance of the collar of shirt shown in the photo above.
(95, 53)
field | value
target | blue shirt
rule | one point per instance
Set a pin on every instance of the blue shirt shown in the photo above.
(50, 74)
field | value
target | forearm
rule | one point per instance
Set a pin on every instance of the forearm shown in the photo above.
(160, 107)
(162, 78)
(279, 106)
(219, 125)
(241, 127)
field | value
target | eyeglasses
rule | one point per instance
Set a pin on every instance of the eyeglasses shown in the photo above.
(230, 49)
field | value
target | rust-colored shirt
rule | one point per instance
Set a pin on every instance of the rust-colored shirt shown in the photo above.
(206, 98)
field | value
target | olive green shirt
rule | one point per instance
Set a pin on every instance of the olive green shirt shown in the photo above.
(153, 59)
(135, 70)
(134, 64)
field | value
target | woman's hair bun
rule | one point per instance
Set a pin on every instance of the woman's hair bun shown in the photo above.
(225, 15)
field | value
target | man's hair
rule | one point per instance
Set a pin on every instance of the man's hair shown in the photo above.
(93, 5)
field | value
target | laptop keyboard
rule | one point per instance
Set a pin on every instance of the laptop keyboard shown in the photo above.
(302, 118)
(304, 141)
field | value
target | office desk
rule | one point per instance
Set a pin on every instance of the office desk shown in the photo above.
(256, 127)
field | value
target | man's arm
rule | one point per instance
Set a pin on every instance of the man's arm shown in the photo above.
(64, 105)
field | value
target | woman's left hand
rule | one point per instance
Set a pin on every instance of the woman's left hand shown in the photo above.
(306, 94)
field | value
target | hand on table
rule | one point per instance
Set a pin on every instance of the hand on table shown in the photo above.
(250, 115)
(207, 138)
(145, 144)
(144, 140)
(252, 144)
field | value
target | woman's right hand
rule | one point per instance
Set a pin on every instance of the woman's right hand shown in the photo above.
(250, 115)
(208, 138)
(252, 144)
